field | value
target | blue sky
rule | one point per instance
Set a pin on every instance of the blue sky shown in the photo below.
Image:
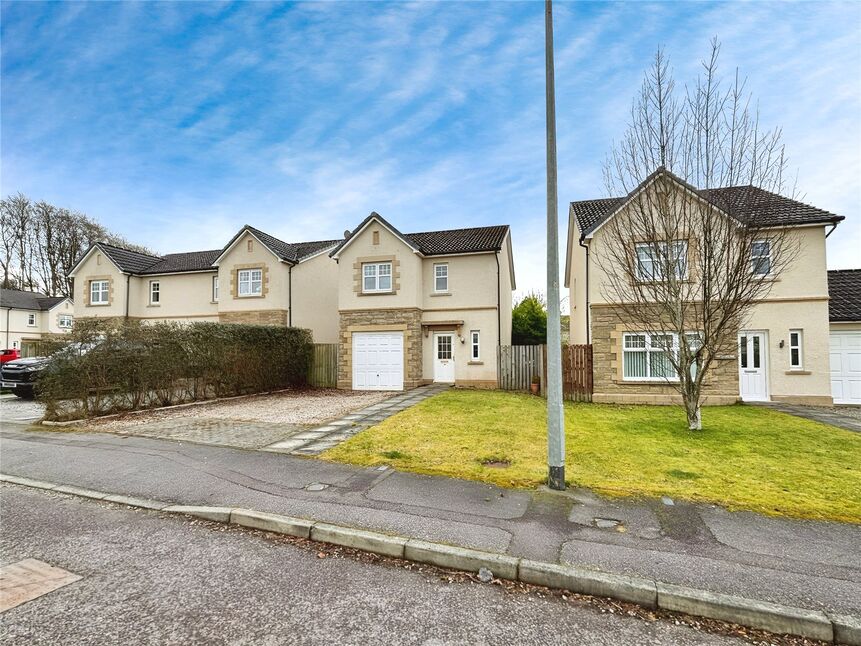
(176, 123)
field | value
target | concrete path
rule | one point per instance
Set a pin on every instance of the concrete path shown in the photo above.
(815, 565)
(314, 441)
(845, 417)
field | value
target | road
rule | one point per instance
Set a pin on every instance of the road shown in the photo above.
(151, 578)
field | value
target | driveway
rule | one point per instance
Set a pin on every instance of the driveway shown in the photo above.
(845, 417)
(15, 409)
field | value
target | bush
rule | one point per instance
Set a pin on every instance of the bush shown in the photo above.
(108, 366)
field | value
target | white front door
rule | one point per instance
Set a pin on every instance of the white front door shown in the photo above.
(752, 366)
(378, 361)
(846, 367)
(443, 364)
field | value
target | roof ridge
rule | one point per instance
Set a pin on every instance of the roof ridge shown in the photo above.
(489, 226)
(113, 246)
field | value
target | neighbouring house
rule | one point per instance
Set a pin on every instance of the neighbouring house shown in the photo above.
(844, 313)
(26, 317)
(783, 352)
(254, 278)
(416, 308)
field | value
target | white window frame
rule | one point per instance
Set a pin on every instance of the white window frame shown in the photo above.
(154, 292)
(656, 257)
(755, 259)
(215, 289)
(100, 288)
(799, 347)
(375, 271)
(475, 345)
(31, 319)
(647, 349)
(437, 275)
(65, 317)
(247, 285)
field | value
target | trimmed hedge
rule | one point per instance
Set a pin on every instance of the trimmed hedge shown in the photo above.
(107, 366)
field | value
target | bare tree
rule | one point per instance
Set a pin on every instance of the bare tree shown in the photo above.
(687, 259)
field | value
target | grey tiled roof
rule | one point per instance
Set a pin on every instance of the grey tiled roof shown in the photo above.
(291, 251)
(188, 261)
(127, 260)
(22, 300)
(748, 204)
(844, 288)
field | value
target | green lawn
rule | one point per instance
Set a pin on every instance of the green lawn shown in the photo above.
(746, 458)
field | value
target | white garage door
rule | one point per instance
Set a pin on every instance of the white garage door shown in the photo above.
(378, 360)
(846, 367)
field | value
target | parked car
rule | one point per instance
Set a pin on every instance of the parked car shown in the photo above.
(9, 354)
(20, 375)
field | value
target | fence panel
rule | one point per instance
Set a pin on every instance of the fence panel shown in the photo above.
(577, 372)
(323, 372)
(518, 364)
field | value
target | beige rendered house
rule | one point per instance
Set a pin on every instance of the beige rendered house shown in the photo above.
(844, 313)
(416, 308)
(25, 317)
(783, 350)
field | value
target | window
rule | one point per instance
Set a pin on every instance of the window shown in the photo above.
(154, 292)
(760, 257)
(474, 351)
(215, 289)
(250, 282)
(795, 341)
(31, 320)
(443, 346)
(653, 256)
(649, 356)
(65, 321)
(99, 292)
(440, 278)
(377, 277)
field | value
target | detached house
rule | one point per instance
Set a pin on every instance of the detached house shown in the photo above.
(844, 313)
(25, 317)
(783, 349)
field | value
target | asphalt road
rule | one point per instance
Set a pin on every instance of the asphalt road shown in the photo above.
(150, 578)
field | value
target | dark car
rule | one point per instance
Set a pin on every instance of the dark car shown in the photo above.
(20, 375)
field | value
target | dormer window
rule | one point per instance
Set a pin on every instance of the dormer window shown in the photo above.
(440, 277)
(376, 277)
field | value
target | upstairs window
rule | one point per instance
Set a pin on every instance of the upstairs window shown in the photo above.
(440, 277)
(250, 282)
(760, 258)
(653, 257)
(65, 321)
(154, 292)
(99, 291)
(795, 341)
(377, 277)
(31, 320)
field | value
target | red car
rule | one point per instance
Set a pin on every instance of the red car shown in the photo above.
(9, 355)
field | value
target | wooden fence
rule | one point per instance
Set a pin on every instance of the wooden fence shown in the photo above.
(323, 371)
(518, 364)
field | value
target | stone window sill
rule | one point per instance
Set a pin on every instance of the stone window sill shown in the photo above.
(97, 304)
(475, 363)
(153, 305)
(441, 294)
(798, 372)
(249, 296)
(391, 293)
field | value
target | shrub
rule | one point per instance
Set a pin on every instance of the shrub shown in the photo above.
(111, 366)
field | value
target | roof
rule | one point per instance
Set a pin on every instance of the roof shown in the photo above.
(749, 204)
(440, 243)
(127, 260)
(21, 300)
(188, 261)
(292, 252)
(844, 289)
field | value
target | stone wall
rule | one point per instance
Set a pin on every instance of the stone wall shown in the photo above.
(720, 386)
(255, 317)
(406, 320)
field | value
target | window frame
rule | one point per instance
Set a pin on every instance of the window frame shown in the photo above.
(214, 293)
(681, 260)
(106, 292)
(31, 319)
(754, 258)
(246, 277)
(376, 276)
(155, 291)
(63, 317)
(475, 345)
(436, 277)
(648, 349)
(798, 347)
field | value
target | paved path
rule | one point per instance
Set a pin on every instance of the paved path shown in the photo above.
(845, 417)
(148, 578)
(801, 563)
(314, 441)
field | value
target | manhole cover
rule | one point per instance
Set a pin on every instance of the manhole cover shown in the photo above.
(316, 486)
(29, 579)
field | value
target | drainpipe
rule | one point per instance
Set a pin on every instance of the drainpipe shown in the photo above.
(8, 312)
(833, 226)
(498, 302)
(588, 327)
(290, 295)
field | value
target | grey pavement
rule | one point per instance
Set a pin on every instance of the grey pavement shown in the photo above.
(845, 417)
(149, 578)
(315, 440)
(809, 564)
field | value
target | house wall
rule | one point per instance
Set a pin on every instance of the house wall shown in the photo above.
(186, 296)
(315, 297)
(15, 331)
(577, 322)
(268, 308)
(98, 266)
(50, 320)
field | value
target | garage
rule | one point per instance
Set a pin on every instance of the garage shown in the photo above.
(378, 360)
(845, 347)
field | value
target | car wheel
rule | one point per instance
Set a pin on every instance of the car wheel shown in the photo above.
(24, 393)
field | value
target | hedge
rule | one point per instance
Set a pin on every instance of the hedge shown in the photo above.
(106, 366)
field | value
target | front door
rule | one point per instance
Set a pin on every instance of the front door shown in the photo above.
(752, 369)
(443, 364)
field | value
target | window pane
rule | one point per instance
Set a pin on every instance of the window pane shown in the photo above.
(635, 341)
(385, 282)
(635, 364)
(385, 269)
(680, 257)
(795, 357)
(742, 348)
(760, 248)
(441, 283)
(370, 283)
(793, 338)
(756, 352)
(660, 365)
(444, 347)
(370, 270)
